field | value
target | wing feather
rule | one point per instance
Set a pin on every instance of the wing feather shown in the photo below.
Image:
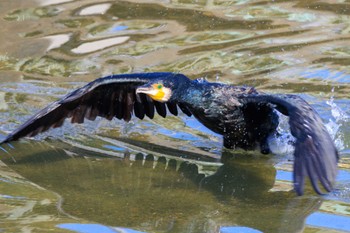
(161, 109)
(129, 105)
(315, 154)
(79, 114)
(118, 106)
(139, 108)
(108, 97)
(172, 108)
(185, 109)
(149, 106)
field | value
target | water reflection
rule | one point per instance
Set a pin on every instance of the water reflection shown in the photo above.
(327, 74)
(90, 47)
(195, 20)
(325, 220)
(93, 228)
(161, 193)
(95, 9)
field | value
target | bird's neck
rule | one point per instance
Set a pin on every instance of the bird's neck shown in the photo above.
(195, 93)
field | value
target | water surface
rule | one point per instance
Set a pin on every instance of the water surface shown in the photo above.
(168, 175)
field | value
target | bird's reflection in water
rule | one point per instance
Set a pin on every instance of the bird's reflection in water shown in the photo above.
(250, 178)
(241, 176)
(165, 194)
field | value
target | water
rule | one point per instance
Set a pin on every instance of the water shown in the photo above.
(168, 175)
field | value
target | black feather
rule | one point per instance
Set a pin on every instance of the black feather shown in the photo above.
(128, 107)
(139, 108)
(149, 105)
(185, 109)
(79, 114)
(161, 109)
(119, 105)
(172, 108)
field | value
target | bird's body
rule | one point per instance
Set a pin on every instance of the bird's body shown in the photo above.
(244, 116)
(217, 107)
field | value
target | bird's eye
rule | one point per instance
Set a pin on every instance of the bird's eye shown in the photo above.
(159, 86)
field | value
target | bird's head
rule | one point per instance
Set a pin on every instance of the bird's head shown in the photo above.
(159, 91)
(166, 87)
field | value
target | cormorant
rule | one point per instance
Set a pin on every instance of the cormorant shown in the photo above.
(244, 116)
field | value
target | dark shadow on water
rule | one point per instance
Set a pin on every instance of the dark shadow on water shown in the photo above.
(165, 194)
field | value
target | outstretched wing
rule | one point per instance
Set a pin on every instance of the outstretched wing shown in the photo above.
(108, 97)
(315, 153)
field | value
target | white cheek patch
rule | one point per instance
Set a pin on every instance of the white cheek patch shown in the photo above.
(167, 94)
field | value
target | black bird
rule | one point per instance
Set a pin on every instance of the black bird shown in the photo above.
(244, 116)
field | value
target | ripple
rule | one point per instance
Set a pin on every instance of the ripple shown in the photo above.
(327, 74)
(91, 228)
(99, 9)
(3, 104)
(57, 41)
(329, 221)
(90, 47)
(52, 2)
(237, 229)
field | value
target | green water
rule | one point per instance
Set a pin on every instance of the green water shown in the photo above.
(167, 175)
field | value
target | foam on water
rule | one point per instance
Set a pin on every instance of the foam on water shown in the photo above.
(334, 125)
(283, 142)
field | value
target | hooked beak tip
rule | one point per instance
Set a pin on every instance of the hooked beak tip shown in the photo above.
(141, 90)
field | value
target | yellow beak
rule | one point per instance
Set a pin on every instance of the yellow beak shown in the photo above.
(155, 94)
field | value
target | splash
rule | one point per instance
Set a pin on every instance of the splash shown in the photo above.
(282, 143)
(334, 125)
